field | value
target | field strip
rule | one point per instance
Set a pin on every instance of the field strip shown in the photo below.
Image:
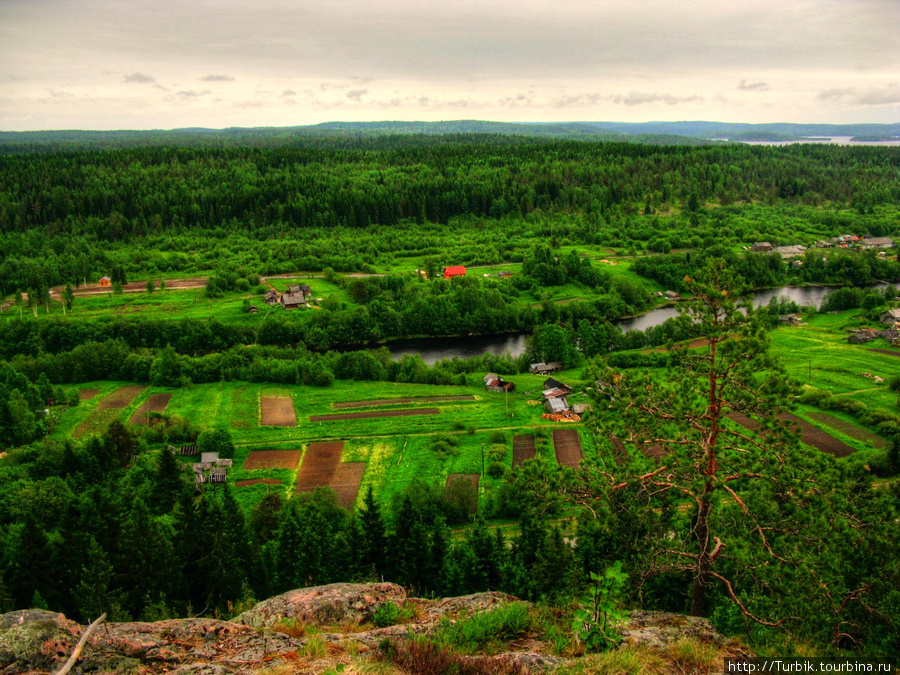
(319, 465)
(375, 413)
(400, 401)
(96, 422)
(121, 397)
(809, 434)
(523, 448)
(87, 394)
(155, 403)
(849, 429)
(277, 411)
(272, 459)
(567, 445)
(254, 481)
(346, 481)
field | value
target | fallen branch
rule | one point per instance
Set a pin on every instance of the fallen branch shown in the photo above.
(77, 651)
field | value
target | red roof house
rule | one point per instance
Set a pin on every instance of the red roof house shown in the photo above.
(458, 271)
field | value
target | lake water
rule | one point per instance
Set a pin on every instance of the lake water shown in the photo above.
(433, 350)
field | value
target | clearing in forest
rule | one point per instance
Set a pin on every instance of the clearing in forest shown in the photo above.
(567, 445)
(523, 448)
(121, 397)
(155, 403)
(272, 459)
(277, 411)
(319, 465)
(809, 434)
(376, 413)
(400, 401)
(346, 481)
(87, 394)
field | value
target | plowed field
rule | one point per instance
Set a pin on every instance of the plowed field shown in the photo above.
(567, 445)
(87, 394)
(809, 434)
(254, 481)
(121, 397)
(272, 459)
(319, 465)
(523, 448)
(400, 401)
(346, 482)
(277, 412)
(155, 403)
(375, 413)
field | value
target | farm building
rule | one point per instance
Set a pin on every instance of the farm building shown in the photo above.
(553, 383)
(556, 406)
(457, 271)
(105, 282)
(790, 251)
(863, 336)
(293, 298)
(271, 297)
(504, 275)
(791, 319)
(494, 382)
(545, 368)
(761, 247)
(890, 317)
(672, 295)
(877, 242)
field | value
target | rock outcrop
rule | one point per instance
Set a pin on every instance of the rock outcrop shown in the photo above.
(327, 623)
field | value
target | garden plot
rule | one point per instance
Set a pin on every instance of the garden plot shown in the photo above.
(523, 448)
(347, 479)
(567, 445)
(277, 411)
(319, 465)
(809, 434)
(272, 459)
(254, 481)
(87, 394)
(375, 413)
(400, 401)
(850, 430)
(121, 397)
(156, 403)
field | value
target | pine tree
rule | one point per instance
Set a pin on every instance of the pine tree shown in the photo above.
(96, 593)
(374, 534)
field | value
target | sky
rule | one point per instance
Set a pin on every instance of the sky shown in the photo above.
(163, 64)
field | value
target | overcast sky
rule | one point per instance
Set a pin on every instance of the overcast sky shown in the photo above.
(141, 64)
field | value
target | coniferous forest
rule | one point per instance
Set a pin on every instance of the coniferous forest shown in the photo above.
(693, 480)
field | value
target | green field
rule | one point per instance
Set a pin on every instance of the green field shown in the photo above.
(397, 450)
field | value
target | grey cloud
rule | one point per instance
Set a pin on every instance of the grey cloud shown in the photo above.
(357, 94)
(576, 101)
(289, 92)
(140, 78)
(643, 98)
(191, 95)
(875, 96)
(753, 86)
(833, 94)
(217, 78)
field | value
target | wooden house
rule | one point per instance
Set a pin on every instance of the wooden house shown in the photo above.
(271, 297)
(504, 275)
(292, 299)
(553, 383)
(556, 405)
(890, 317)
(496, 383)
(457, 271)
(188, 450)
(105, 282)
(863, 336)
(672, 295)
(761, 247)
(545, 368)
(791, 319)
(217, 474)
(209, 458)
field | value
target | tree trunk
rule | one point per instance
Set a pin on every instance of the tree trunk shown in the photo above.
(701, 575)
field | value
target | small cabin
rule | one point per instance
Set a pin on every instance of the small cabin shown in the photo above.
(105, 282)
(457, 271)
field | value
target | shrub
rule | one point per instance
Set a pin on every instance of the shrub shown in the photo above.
(386, 615)
(496, 470)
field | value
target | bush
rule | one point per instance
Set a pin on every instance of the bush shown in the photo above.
(496, 469)
(386, 615)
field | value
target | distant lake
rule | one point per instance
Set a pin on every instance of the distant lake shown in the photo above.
(830, 140)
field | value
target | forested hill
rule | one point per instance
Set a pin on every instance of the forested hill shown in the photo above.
(387, 135)
(131, 206)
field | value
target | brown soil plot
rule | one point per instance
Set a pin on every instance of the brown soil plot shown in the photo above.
(347, 479)
(155, 403)
(254, 481)
(809, 434)
(567, 445)
(400, 401)
(87, 394)
(376, 413)
(121, 397)
(523, 448)
(272, 459)
(889, 352)
(319, 465)
(851, 430)
(277, 412)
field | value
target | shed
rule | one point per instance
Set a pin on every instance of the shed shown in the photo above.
(504, 275)
(581, 408)
(890, 317)
(105, 281)
(761, 247)
(224, 462)
(271, 297)
(556, 405)
(790, 251)
(457, 271)
(188, 450)
(545, 368)
(790, 319)
(672, 295)
(863, 336)
(217, 474)
(553, 383)
(209, 457)
(292, 300)
(254, 309)
(877, 242)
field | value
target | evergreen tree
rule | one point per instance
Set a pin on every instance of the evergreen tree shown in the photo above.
(96, 593)
(374, 553)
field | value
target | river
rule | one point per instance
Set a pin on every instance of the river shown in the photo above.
(433, 350)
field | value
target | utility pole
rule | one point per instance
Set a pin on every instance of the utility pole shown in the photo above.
(482, 460)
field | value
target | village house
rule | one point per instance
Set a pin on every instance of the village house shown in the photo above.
(791, 319)
(890, 317)
(790, 251)
(457, 271)
(863, 336)
(761, 247)
(545, 368)
(295, 296)
(105, 282)
(557, 405)
(672, 295)
(494, 382)
(877, 242)
(271, 297)
(504, 275)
